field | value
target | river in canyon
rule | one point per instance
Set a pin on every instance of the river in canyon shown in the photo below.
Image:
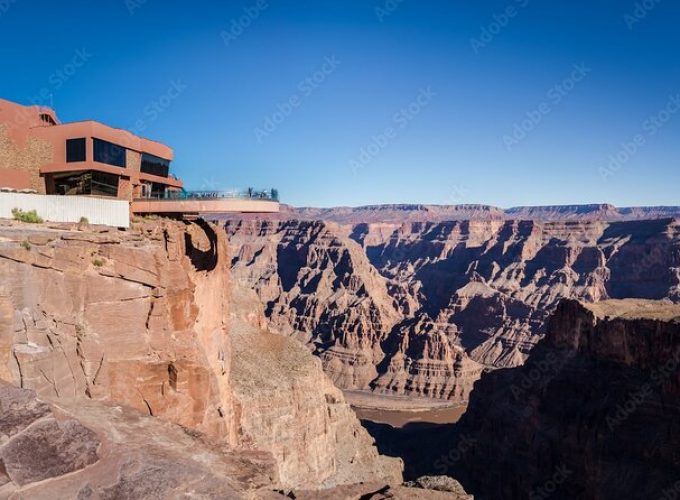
(414, 429)
(400, 411)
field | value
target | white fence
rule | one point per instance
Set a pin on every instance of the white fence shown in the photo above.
(68, 208)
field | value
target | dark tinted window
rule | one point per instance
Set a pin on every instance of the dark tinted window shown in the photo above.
(111, 154)
(104, 184)
(87, 183)
(154, 165)
(157, 190)
(75, 150)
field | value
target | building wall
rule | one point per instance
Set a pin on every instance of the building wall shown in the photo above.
(89, 129)
(24, 157)
(129, 188)
(54, 208)
(14, 179)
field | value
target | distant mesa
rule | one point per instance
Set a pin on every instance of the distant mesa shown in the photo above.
(406, 213)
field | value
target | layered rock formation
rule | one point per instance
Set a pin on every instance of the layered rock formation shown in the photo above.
(398, 213)
(425, 361)
(593, 413)
(144, 320)
(421, 308)
(496, 283)
(318, 285)
(597, 212)
(136, 319)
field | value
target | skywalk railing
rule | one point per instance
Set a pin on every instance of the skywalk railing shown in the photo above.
(250, 193)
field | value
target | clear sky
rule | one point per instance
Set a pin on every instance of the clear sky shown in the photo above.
(343, 102)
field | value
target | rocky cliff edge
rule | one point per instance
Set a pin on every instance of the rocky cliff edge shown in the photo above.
(141, 321)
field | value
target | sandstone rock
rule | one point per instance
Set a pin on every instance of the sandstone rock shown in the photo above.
(83, 449)
(35, 446)
(47, 449)
(288, 406)
(19, 410)
(107, 317)
(141, 319)
(592, 414)
(372, 491)
(449, 298)
(439, 483)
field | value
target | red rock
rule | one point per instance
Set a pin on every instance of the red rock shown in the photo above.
(448, 298)
(149, 328)
(592, 414)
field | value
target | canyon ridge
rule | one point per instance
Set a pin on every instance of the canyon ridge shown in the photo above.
(395, 303)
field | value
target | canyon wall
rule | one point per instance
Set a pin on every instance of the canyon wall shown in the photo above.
(144, 319)
(285, 404)
(421, 308)
(137, 319)
(318, 284)
(592, 414)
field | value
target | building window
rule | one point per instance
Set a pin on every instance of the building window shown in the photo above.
(104, 184)
(75, 150)
(87, 183)
(155, 166)
(157, 190)
(110, 154)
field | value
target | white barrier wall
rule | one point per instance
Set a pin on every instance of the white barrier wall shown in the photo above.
(54, 208)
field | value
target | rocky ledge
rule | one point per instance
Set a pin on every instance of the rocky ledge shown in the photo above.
(87, 450)
(147, 369)
(594, 412)
(143, 321)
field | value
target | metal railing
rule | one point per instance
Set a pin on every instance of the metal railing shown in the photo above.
(247, 194)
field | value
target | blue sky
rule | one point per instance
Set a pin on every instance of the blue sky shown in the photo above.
(342, 102)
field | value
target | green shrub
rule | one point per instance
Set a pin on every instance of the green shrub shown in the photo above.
(83, 220)
(26, 245)
(31, 216)
(98, 262)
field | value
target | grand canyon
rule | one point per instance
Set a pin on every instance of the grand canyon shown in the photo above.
(422, 308)
(136, 362)
(339, 250)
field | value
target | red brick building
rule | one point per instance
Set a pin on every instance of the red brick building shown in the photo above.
(39, 152)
